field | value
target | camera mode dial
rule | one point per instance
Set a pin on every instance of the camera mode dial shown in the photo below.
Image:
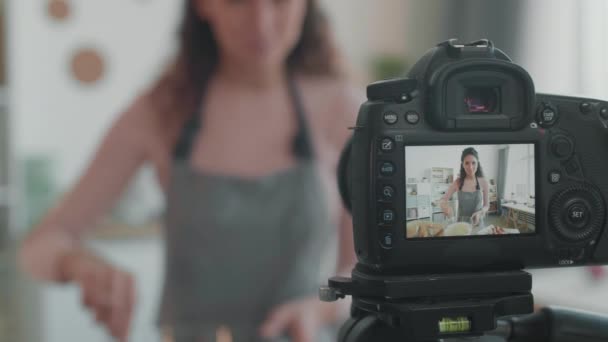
(577, 213)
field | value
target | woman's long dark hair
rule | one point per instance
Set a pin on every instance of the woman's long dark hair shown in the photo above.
(469, 151)
(176, 92)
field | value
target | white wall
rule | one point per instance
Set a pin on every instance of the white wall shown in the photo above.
(565, 48)
(365, 29)
(419, 159)
(51, 113)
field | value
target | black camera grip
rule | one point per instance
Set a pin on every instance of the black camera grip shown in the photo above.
(343, 174)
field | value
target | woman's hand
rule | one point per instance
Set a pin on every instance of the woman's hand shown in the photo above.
(476, 217)
(108, 292)
(497, 231)
(447, 211)
(301, 319)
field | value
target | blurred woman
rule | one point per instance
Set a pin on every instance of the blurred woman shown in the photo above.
(244, 131)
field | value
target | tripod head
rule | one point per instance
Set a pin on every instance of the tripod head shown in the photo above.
(428, 307)
(494, 306)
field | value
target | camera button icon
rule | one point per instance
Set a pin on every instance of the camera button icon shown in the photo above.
(412, 117)
(547, 115)
(387, 169)
(578, 214)
(390, 118)
(388, 216)
(386, 240)
(555, 177)
(388, 193)
(387, 145)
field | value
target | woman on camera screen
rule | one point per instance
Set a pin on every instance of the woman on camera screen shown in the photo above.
(244, 131)
(472, 189)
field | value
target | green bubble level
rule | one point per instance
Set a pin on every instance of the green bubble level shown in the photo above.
(451, 325)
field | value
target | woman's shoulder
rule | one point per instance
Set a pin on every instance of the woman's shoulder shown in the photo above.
(483, 181)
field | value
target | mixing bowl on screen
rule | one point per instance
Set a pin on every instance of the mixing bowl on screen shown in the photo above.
(458, 229)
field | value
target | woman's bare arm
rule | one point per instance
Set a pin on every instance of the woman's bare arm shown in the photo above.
(121, 153)
(443, 202)
(485, 187)
(345, 106)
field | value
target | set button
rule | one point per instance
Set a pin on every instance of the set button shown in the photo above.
(578, 214)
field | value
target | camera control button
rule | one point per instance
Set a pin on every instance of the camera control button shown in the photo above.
(387, 169)
(387, 193)
(387, 145)
(562, 147)
(388, 216)
(555, 176)
(386, 240)
(604, 113)
(585, 107)
(578, 214)
(547, 115)
(412, 117)
(390, 118)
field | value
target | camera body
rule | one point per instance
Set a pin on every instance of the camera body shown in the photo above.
(545, 184)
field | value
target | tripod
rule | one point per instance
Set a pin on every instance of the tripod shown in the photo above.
(453, 307)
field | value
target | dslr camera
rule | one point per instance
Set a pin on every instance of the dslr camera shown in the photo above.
(458, 177)
(544, 161)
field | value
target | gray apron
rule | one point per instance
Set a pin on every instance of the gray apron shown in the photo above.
(235, 247)
(469, 203)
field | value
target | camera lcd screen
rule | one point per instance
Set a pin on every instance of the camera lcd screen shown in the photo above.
(470, 190)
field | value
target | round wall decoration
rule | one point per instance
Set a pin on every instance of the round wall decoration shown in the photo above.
(59, 9)
(87, 66)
